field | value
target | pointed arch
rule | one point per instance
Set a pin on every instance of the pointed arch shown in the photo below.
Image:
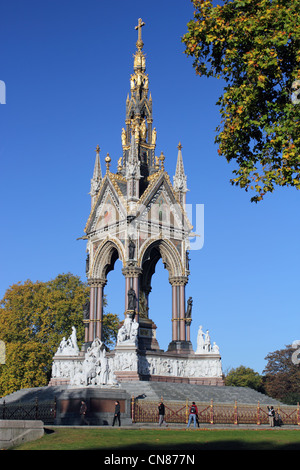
(106, 255)
(151, 253)
(155, 249)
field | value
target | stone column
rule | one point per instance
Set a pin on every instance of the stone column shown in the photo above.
(180, 341)
(86, 330)
(99, 312)
(96, 309)
(92, 314)
(174, 314)
(182, 335)
(188, 329)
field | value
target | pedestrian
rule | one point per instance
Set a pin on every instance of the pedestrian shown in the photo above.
(82, 412)
(192, 414)
(117, 414)
(161, 413)
(277, 419)
(271, 413)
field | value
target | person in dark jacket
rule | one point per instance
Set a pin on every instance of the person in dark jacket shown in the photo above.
(117, 414)
(82, 412)
(161, 414)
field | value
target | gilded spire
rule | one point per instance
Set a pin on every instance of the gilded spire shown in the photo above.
(139, 120)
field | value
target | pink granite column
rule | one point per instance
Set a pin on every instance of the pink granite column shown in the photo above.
(92, 313)
(135, 285)
(182, 313)
(174, 314)
(99, 310)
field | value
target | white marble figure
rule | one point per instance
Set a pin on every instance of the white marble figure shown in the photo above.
(204, 345)
(68, 347)
(200, 341)
(207, 345)
(128, 333)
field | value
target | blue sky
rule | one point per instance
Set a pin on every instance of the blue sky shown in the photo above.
(66, 65)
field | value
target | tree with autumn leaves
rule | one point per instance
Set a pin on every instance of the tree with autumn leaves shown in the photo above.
(34, 317)
(254, 46)
(282, 375)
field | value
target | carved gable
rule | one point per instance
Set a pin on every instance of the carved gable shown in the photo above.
(108, 210)
(161, 208)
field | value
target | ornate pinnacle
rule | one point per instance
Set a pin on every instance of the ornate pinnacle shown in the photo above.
(162, 161)
(98, 149)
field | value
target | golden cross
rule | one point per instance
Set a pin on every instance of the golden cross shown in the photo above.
(139, 28)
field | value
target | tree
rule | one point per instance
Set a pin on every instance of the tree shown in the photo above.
(282, 376)
(27, 365)
(43, 312)
(254, 46)
(244, 377)
(34, 317)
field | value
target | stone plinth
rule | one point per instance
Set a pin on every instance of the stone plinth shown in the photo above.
(94, 366)
(16, 432)
(100, 406)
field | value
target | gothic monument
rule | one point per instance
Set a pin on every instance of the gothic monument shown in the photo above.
(138, 216)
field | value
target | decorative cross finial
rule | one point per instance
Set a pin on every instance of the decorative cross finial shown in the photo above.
(98, 149)
(139, 43)
(107, 162)
(179, 146)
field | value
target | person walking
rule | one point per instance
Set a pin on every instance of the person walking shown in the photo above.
(117, 414)
(161, 414)
(192, 414)
(82, 412)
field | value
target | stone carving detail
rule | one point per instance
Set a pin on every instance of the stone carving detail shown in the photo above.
(68, 347)
(126, 361)
(96, 369)
(180, 367)
(93, 369)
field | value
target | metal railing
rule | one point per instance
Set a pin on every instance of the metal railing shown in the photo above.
(144, 411)
(37, 410)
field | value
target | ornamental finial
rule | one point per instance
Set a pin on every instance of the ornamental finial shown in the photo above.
(139, 43)
(107, 162)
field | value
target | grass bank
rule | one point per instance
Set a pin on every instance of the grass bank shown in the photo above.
(172, 440)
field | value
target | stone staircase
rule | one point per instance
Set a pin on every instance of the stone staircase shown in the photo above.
(153, 391)
(198, 393)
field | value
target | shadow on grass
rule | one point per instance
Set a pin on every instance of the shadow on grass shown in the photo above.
(193, 447)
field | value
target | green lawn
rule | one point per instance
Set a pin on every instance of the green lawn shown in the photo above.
(165, 439)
